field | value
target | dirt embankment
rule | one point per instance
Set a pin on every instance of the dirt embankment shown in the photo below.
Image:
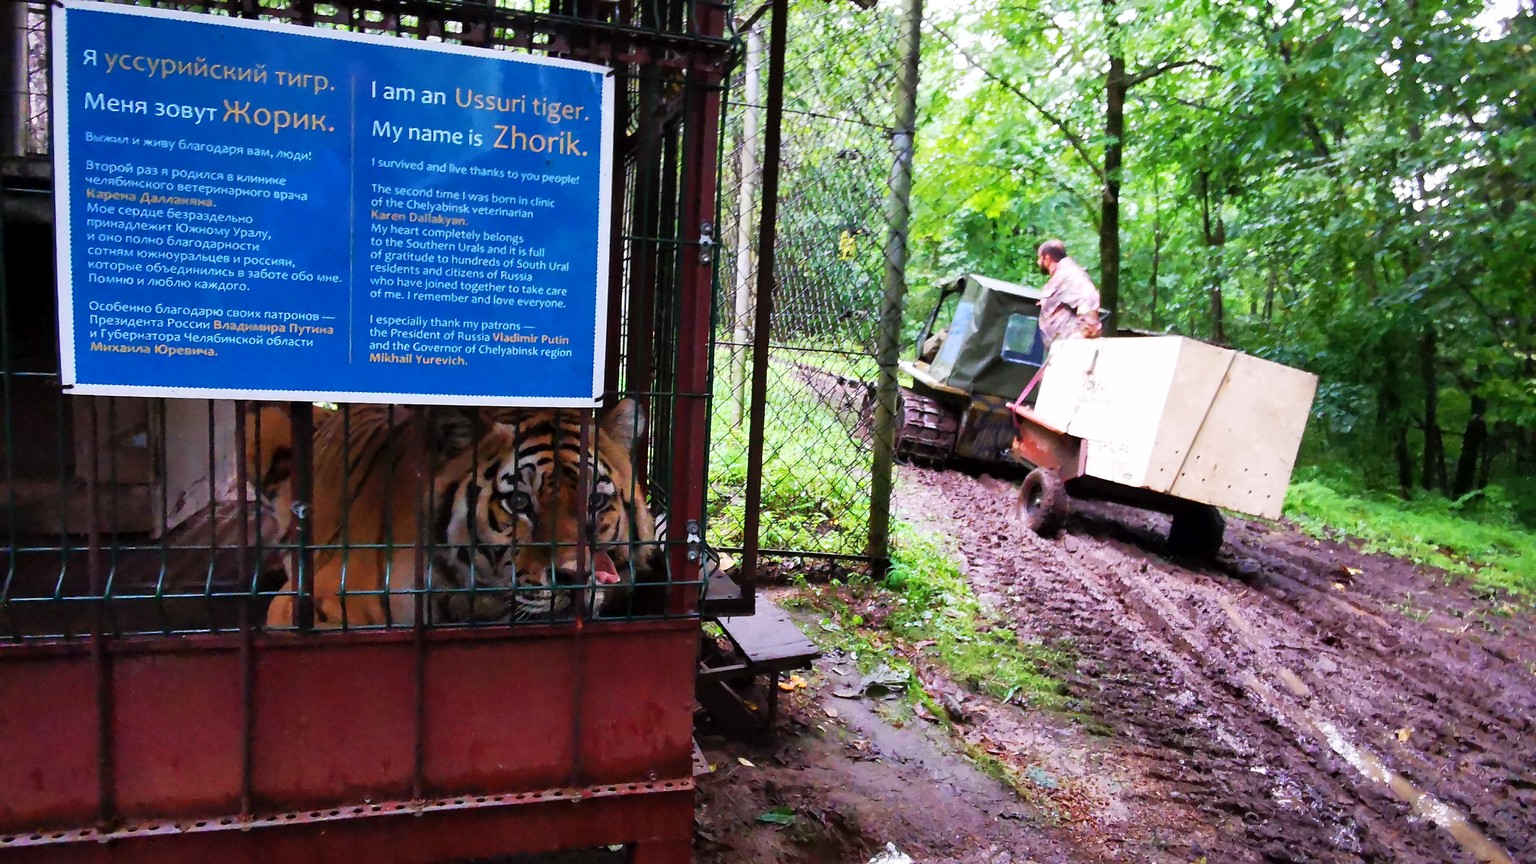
(1294, 701)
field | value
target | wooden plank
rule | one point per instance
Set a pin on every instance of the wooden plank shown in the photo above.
(922, 374)
(1197, 379)
(1111, 393)
(1245, 451)
(769, 638)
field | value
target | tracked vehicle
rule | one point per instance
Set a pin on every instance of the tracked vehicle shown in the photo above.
(979, 348)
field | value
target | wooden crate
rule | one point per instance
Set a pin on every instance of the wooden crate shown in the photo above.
(1179, 416)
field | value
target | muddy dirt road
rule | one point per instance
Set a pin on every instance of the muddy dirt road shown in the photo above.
(1295, 700)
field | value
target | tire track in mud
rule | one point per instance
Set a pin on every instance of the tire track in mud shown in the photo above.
(1250, 692)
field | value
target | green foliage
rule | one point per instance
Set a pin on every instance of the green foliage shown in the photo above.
(815, 473)
(932, 601)
(1476, 537)
(1346, 188)
(931, 605)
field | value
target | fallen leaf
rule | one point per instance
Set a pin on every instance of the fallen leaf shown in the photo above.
(778, 816)
(794, 683)
(1402, 734)
(1338, 586)
(831, 712)
(1352, 571)
(745, 761)
(924, 644)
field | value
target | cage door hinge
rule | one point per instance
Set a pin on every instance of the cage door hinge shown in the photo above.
(706, 243)
(695, 542)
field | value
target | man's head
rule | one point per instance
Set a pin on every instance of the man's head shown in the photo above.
(1050, 254)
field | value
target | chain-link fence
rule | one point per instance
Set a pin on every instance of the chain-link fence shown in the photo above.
(836, 154)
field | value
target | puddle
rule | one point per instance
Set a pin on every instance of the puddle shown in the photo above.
(1424, 804)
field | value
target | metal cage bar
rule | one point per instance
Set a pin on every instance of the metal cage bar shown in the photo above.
(151, 706)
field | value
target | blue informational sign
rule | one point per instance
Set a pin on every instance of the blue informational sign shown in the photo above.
(252, 210)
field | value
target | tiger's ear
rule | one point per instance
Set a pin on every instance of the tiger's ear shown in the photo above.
(493, 414)
(625, 422)
(453, 431)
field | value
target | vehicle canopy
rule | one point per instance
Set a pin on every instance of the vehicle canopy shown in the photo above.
(994, 344)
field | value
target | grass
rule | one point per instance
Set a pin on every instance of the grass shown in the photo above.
(925, 600)
(844, 630)
(816, 474)
(1478, 538)
(926, 607)
(933, 601)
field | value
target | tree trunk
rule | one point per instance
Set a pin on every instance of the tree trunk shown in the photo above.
(1157, 250)
(1473, 442)
(1269, 293)
(1115, 87)
(1485, 465)
(1389, 418)
(1433, 474)
(746, 261)
(1215, 243)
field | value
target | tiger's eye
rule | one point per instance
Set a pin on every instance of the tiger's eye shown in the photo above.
(598, 500)
(516, 502)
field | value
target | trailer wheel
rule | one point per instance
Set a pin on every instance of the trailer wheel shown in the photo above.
(1042, 502)
(1197, 531)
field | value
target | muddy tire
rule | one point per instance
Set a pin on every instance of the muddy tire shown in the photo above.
(1197, 531)
(1043, 503)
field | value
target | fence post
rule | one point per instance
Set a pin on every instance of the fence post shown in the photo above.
(762, 313)
(898, 215)
(746, 261)
(13, 79)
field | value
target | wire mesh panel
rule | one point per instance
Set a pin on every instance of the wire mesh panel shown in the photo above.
(451, 574)
(159, 481)
(839, 84)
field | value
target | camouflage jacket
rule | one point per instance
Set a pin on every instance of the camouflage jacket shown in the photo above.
(1070, 303)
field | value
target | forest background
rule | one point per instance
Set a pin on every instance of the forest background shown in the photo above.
(1348, 188)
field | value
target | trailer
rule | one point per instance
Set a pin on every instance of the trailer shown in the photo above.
(1162, 423)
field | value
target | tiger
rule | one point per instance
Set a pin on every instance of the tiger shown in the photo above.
(503, 514)
(269, 456)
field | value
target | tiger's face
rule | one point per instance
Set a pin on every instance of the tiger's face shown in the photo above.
(526, 511)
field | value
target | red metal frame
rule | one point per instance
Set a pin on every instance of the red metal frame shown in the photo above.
(690, 432)
(1044, 446)
(655, 820)
(336, 734)
(404, 745)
